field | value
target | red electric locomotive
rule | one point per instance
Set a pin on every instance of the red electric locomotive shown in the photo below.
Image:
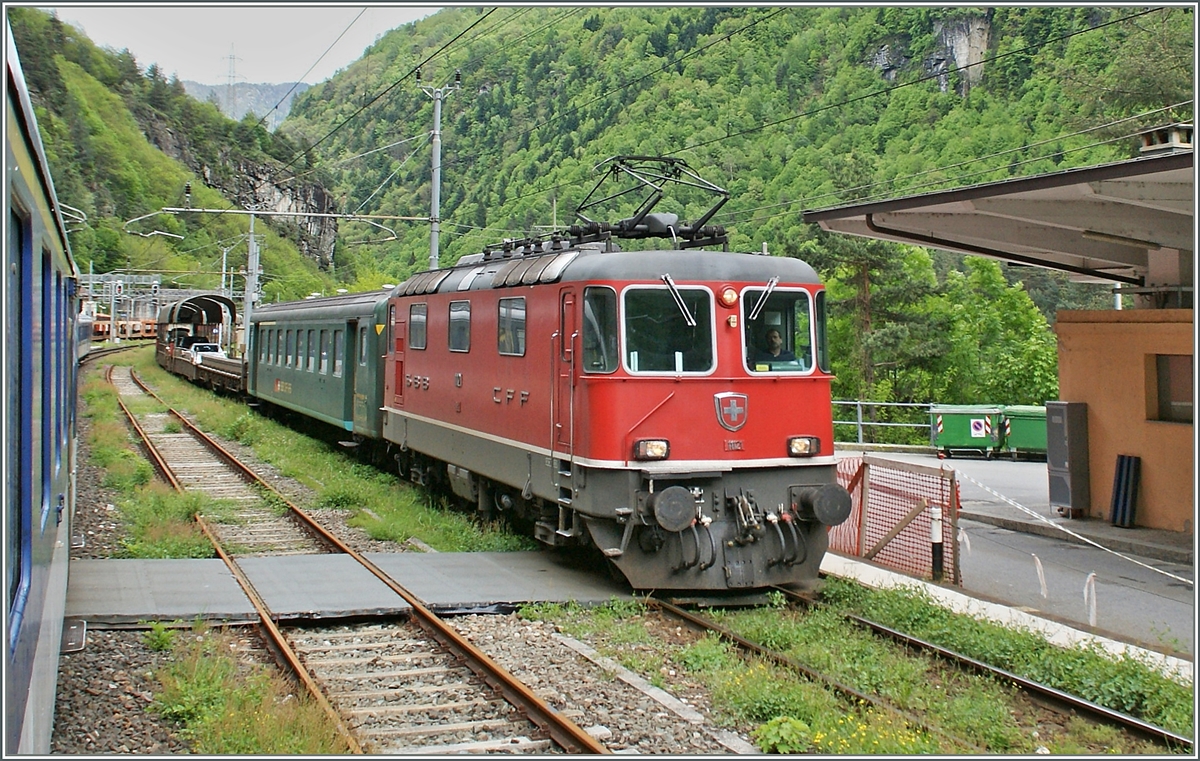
(670, 407)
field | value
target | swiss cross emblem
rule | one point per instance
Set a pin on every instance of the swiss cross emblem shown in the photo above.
(732, 409)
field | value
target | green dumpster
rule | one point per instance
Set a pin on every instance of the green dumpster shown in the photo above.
(1024, 430)
(963, 428)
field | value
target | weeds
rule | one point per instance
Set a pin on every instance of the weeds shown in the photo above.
(384, 506)
(160, 524)
(1124, 683)
(783, 734)
(159, 637)
(227, 709)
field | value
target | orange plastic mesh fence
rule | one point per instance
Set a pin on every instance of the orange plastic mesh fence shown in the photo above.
(892, 492)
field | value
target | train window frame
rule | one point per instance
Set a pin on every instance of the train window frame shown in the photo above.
(323, 364)
(339, 348)
(280, 345)
(821, 331)
(362, 345)
(510, 331)
(418, 326)
(791, 368)
(262, 345)
(458, 337)
(592, 329)
(629, 346)
(291, 346)
(46, 350)
(301, 349)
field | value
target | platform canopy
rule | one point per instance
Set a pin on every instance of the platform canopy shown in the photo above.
(206, 309)
(1127, 222)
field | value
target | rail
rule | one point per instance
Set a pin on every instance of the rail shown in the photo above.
(895, 414)
(1044, 692)
(561, 729)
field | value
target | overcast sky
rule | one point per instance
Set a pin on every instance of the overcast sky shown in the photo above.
(270, 44)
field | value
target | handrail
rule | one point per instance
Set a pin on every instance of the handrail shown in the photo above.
(860, 424)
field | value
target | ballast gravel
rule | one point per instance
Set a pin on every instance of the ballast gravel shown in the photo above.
(627, 714)
(105, 691)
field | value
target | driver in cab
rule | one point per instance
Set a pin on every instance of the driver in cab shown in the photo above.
(774, 351)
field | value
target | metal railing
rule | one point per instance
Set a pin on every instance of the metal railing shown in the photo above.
(881, 416)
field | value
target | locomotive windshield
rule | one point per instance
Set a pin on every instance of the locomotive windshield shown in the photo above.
(779, 338)
(658, 336)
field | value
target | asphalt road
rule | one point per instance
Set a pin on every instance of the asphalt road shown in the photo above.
(1132, 602)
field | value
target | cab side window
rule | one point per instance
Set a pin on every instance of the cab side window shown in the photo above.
(599, 330)
(417, 335)
(460, 326)
(510, 337)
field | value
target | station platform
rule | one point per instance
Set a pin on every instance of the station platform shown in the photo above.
(1156, 544)
(125, 593)
(312, 587)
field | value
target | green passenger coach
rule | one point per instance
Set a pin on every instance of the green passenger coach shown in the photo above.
(322, 358)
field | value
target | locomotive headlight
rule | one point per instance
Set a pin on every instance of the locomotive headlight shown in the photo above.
(804, 446)
(728, 297)
(651, 449)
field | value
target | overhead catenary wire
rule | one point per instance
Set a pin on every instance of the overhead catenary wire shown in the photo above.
(626, 85)
(848, 101)
(892, 182)
(291, 162)
(310, 68)
(918, 80)
(938, 183)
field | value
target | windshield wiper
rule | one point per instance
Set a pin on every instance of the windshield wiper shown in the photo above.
(763, 301)
(687, 316)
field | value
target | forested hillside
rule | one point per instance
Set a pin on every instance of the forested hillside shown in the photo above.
(123, 143)
(788, 108)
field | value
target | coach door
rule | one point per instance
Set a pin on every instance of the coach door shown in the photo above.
(564, 373)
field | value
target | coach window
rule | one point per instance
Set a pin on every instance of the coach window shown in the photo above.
(510, 336)
(338, 346)
(324, 352)
(780, 337)
(362, 345)
(312, 351)
(416, 326)
(301, 349)
(262, 345)
(599, 330)
(669, 330)
(460, 326)
(280, 348)
(291, 346)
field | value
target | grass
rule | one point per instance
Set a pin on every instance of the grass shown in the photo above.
(383, 505)
(1121, 683)
(224, 707)
(160, 524)
(786, 712)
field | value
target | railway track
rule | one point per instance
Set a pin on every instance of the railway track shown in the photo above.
(412, 687)
(253, 527)
(1038, 694)
(1041, 693)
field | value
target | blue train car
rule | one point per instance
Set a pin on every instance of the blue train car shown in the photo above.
(39, 367)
